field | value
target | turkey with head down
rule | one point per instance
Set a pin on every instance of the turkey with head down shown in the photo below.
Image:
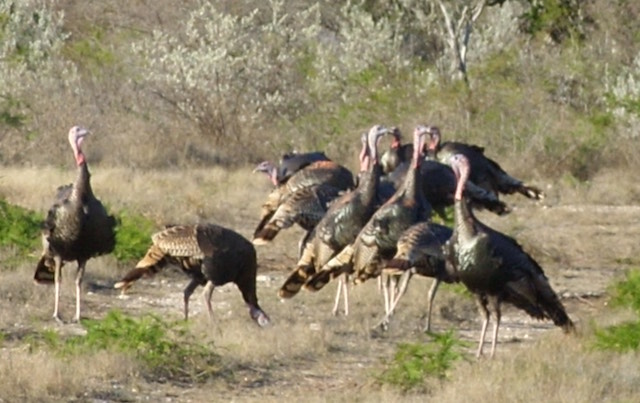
(211, 255)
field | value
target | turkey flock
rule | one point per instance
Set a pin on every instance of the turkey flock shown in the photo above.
(376, 224)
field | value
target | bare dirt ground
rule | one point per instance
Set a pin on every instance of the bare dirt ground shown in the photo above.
(309, 354)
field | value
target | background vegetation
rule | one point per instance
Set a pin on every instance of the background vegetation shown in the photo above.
(551, 84)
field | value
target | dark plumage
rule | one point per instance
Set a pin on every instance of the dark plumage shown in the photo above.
(342, 222)
(306, 207)
(397, 154)
(485, 172)
(377, 240)
(304, 198)
(437, 181)
(495, 269)
(77, 227)
(294, 162)
(419, 251)
(211, 255)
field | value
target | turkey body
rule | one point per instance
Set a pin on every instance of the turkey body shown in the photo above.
(485, 172)
(77, 228)
(377, 240)
(303, 199)
(211, 255)
(495, 268)
(420, 250)
(342, 222)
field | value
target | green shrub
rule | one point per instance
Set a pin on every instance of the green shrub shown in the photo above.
(413, 363)
(19, 229)
(627, 292)
(166, 349)
(132, 236)
(621, 338)
(626, 336)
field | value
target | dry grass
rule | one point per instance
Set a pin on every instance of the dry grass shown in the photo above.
(41, 376)
(554, 369)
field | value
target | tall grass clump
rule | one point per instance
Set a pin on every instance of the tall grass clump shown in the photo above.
(413, 363)
(625, 336)
(167, 350)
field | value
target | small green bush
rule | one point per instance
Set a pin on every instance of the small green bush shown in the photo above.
(19, 228)
(166, 349)
(627, 292)
(621, 338)
(413, 363)
(624, 337)
(132, 236)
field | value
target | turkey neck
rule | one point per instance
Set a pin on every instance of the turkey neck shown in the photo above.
(411, 183)
(371, 177)
(464, 219)
(82, 186)
(369, 183)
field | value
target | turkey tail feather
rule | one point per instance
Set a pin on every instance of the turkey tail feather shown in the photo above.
(265, 234)
(295, 281)
(44, 271)
(551, 304)
(341, 263)
(397, 266)
(531, 192)
(150, 264)
(318, 280)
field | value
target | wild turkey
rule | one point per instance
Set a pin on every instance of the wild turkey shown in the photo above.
(485, 172)
(376, 242)
(289, 164)
(306, 207)
(495, 269)
(77, 227)
(294, 162)
(211, 255)
(397, 154)
(302, 199)
(419, 251)
(342, 222)
(438, 183)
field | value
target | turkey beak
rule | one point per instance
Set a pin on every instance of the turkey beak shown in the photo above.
(260, 168)
(80, 135)
(434, 138)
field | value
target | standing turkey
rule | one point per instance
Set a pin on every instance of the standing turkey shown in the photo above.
(419, 251)
(342, 222)
(485, 172)
(211, 255)
(495, 269)
(77, 227)
(376, 242)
